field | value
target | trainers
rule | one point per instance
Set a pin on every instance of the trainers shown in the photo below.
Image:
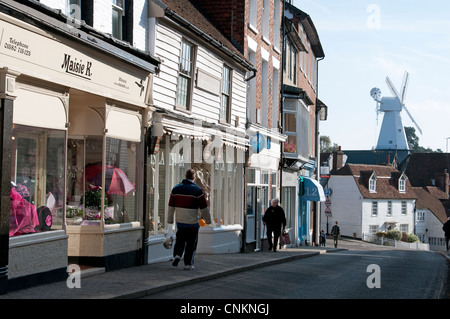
(176, 261)
(188, 267)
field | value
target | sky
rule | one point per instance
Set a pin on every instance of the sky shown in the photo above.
(365, 42)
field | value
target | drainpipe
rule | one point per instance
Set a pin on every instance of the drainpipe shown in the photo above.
(317, 230)
(282, 100)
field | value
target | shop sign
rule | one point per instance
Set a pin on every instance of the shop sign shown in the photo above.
(69, 63)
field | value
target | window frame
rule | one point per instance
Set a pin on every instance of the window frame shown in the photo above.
(189, 77)
(229, 83)
(374, 209)
(119, 7)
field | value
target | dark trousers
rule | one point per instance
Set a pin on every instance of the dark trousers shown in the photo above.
(186, 242)
(447, 238)
(276, 235)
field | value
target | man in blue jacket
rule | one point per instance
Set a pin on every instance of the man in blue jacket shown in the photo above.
(186, 199)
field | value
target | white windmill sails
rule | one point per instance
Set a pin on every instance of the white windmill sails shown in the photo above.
(392, 133)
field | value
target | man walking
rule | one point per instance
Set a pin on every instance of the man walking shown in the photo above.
(274, 218)
(336, 232)
(446, 229)
(186, 199)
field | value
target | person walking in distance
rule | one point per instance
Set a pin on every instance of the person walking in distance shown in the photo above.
(274, 219)
(336, 232)
(186, 199)
(446, 229)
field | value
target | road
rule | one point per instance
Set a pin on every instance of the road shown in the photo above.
(361, 272)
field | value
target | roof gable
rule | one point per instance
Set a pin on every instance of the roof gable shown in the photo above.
(386, 181)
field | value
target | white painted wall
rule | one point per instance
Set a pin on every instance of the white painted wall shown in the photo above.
(346, 206)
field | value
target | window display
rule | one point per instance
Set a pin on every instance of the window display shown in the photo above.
(85, 181)
(37, 180)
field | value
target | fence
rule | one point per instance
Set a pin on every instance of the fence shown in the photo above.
(372, 238)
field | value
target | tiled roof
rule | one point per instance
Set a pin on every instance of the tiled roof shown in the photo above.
(433, 199)
(189, 12)
(386, 184)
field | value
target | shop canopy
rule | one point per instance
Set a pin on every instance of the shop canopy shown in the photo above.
(313, 191)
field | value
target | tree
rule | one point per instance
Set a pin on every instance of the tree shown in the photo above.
(325, 145)
(413, 141)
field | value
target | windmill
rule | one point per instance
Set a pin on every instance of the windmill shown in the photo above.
(392, 133)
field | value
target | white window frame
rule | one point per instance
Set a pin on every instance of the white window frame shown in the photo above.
(374, 209)
(404, 207)
(119, 7)
(420, 218)
(253, 15)
(189, 88)
(402, 185)
(226, 94)
(389, 208)
(373, 229)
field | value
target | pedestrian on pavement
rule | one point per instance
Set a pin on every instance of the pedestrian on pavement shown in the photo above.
(185, 201)
(446, 229)
(275, 220)
(336, 232)
(323, 238)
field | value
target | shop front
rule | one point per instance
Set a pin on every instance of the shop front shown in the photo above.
(262, 181)
(73, 123)
(217, 157)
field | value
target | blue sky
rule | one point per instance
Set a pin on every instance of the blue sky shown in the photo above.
(366, 41)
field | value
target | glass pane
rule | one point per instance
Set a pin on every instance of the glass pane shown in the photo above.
(37, 180)
(75, 181)
(120, 181)
(182, 91)
(290, 146)
(290, 122)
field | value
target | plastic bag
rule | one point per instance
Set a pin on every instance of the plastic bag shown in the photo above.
(169, 236)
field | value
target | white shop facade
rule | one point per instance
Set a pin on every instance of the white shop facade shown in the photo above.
(78, 107)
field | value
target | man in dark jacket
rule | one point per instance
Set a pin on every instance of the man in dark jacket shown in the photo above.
(446, 229)
(274, 219)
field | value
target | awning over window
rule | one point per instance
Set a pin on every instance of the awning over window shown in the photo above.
(313, 191)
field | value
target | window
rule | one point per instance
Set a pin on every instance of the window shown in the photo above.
(373, 229)
(404, 228)
(389, 208)
(420, 216)
(84, 182)
(225, 104)
(404, 207)
(118, 12)
(372, 185)
(290, 129)
(253, 10)
(266, 20)
(374, 208)
(73, 9)
(402, 184)
(37, 180)
(185, 72)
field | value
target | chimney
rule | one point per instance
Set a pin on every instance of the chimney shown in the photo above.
(442, 181)
(338, 160)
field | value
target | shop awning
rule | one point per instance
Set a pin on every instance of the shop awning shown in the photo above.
(313, 191)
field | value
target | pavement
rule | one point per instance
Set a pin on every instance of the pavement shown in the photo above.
(140, 281)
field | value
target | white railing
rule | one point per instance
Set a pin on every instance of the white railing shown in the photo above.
(373, 238)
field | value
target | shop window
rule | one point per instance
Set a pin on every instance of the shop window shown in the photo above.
(37, 180)
(85, 181)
